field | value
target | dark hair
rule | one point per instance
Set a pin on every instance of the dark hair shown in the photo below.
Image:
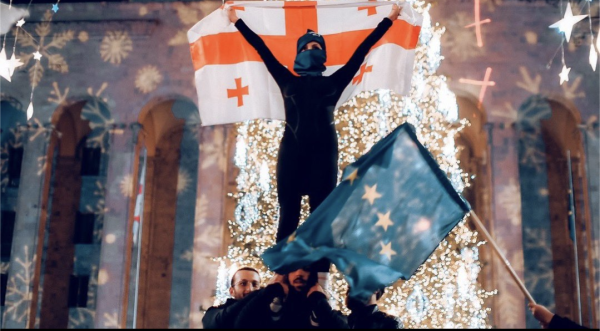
(241, 269)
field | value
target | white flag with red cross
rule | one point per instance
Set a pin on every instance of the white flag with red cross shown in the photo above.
(139, 204)
(233, 83)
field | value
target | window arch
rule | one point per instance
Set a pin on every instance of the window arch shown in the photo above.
(11, 157)
(75, 204)
(168, 139)
(550, 138)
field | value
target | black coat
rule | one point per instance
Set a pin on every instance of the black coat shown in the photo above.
(559, 322)
(307, 162)
(295, 312)
(223, 316)
(370, 317)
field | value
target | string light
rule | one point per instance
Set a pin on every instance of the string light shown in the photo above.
(593, 58)
(566, 23)
(444, 292)
(7, 67)
(597, 42)
(564, 74)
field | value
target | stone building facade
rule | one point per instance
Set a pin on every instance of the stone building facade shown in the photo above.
(114, 98)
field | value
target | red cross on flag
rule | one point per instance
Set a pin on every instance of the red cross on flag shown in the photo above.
(233, 83)
(139, 203)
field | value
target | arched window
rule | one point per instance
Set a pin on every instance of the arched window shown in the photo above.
(558, 261)
(160, 280)
(74, 227)
(11, 158)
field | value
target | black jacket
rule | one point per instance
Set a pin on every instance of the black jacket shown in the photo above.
(559, 322)
(323, 316)
(223, 316)
(307, 162)
(297, 312)
(370, 317)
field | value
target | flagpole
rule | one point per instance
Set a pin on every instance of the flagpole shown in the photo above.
(510, 269)
(573, 230)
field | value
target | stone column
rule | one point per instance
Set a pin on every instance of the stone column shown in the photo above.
(113, 270)
(181, 282)
(506, 226)
(31, 213)
(158, 233)
(58, 265)
(210, 220)
(592, 171)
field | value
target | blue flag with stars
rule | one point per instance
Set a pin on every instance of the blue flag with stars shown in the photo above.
(390, 212)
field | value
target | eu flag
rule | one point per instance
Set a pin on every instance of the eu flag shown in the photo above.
(390, 212)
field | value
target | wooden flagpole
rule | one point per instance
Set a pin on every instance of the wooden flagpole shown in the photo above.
(510, 269)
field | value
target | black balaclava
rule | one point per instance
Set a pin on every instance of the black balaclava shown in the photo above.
(310, 62)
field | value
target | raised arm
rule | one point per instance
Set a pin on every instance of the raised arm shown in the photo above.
(345, 74)
(277, 70)
(259, 312)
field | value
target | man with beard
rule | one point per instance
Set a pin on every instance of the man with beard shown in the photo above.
(244, 282)
(366, 315)
(292, 301)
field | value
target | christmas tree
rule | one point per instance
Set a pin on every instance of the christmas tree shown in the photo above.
(444, 292)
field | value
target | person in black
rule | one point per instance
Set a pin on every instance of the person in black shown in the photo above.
(308, 154)
(292, 301)
(244, 282)
(366, 315)
(549, 320)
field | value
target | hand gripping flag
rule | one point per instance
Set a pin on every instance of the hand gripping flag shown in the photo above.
(392, 209)
(233, 83)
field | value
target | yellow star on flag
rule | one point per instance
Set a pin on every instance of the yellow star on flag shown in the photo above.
(384, 220)
(371, 193)
(352, 176)
(387, 250)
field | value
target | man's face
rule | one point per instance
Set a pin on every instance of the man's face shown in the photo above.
(244, 282)
(298, 279)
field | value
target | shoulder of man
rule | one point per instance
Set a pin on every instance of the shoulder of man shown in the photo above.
(559, 322)
(223, 305)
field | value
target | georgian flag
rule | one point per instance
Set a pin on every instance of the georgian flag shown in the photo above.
(233, 83)
(139, 204)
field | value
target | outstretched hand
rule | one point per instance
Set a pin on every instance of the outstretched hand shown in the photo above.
(395, 12)
(231, 14)
(541, 314)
